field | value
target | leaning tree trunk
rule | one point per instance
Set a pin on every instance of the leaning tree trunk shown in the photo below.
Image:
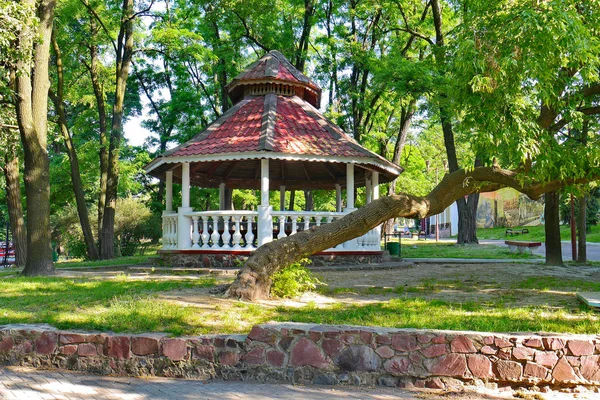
(552, 229)
(582, 229)
(15, 208)
(32, 116)
(254, 280)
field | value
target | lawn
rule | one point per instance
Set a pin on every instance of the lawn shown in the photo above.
(536, 233)
(430, 249)
(181, 305)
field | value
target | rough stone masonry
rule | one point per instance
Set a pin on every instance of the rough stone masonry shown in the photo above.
(320, 354)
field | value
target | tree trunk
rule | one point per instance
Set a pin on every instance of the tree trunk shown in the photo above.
(552, 229)
(254, 280)
(15, 208)
(582, 229)
(124, 55)
(32, 116)
(309, 203)
(102, 125)
(467, 218)
(82, 211)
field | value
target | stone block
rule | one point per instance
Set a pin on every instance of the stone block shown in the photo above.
(87, 350)
(205, 352)
(358, 358)
(439, 339)
(256, 356)
(366, 337)
(435, 350)
(383, 339)
(462, 344)
(426, 338)
(385, 352)
(508, 370)
(332, 347)
(590, 368)
(546, 358)
(46, 343)
(523, 353)
(285, 342)
(275, 358)
(229, 358)
(174, 349)
(563, 372)
(553, 343)
(68, 349)
(6, 344)
(314, 336)
(143, 346)
(434, 383)
(504, 354)
(480, 366)
(450, 365)
(534, 343)
(581, 347)
(117, 347)
(488, 350)
(535, 371)
(72, 338)
(399, 365)
(306, 352)
(502, 343)
(489, 340)
(404, 342)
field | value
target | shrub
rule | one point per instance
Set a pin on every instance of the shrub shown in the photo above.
(294, 280)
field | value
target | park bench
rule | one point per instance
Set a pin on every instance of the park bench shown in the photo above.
(522, 247)
(419, 234)
(516, 232)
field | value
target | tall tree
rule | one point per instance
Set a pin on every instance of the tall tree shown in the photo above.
(58, 99)
(32, 84)
(124, 54)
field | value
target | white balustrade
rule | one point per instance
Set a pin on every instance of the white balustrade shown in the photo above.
(236, 230)
(169, 231)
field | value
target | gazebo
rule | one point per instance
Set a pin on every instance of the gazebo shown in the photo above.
(272, 138)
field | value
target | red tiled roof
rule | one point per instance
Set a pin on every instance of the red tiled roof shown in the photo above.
(296, 130)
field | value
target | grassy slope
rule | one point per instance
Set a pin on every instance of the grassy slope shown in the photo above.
(536, 233)
(430, 249)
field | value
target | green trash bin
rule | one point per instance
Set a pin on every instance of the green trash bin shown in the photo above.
(393, 248)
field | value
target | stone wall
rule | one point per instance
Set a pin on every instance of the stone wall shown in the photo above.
(319, 354)
(195, 259)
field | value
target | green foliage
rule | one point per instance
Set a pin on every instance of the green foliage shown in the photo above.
(294, 280)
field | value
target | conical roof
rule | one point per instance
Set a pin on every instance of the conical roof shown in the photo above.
(274, 120)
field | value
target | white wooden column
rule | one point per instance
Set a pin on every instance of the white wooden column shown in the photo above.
(185, 184)
(353, 243)
(265, 221)
(338, 198)
(282, 198)
(368, 190)
(169, 191)
(184, 224)
(375, 177)
(221, 196)
(350, 187)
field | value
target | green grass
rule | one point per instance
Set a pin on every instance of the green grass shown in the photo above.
(424, 249)
(536, 233)
(119, 261)
(125, 304)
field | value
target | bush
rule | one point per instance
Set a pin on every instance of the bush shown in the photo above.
(294, 280)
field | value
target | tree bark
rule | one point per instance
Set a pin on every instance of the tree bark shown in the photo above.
(124, 56)
(15, 207)
(102, 124)
(552, 229)
(254, 280)
(582, 229)
(32, 116)
(82, 211)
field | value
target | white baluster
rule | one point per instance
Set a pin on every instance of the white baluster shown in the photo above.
(205, 236)
(237, 235)
(306, 219)
(249, 238)
(165, 233)
(195, 234)
(318, 219)
(173, 224)
(214, 237)
(226, 235)
(281, 233)
(294, 225)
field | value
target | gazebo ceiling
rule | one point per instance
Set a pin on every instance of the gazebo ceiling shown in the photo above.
(277, 121)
